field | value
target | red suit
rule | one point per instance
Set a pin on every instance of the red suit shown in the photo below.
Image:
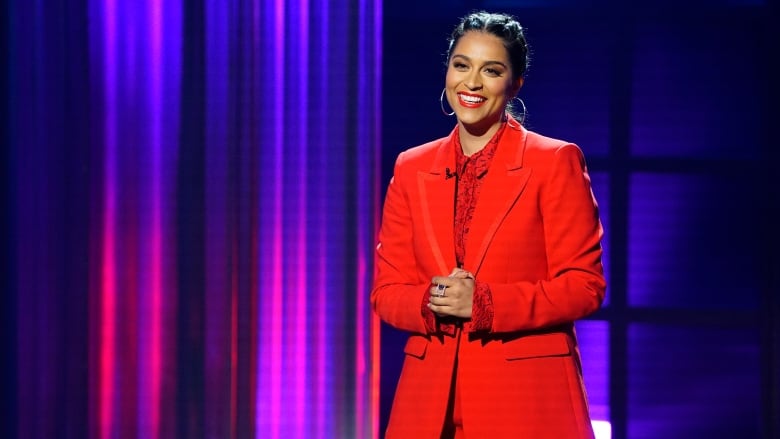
(535, 240)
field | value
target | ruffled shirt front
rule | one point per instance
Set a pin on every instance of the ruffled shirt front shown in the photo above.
(470, 171)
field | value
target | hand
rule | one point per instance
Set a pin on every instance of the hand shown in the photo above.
(458, 290)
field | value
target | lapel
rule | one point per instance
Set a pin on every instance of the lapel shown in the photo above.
(503, 184)
(437, 198)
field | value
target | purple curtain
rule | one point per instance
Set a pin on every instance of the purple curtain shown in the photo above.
(193, 192)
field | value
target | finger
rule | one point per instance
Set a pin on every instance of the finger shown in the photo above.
(446, 280)
(440, 285)
(441, 310)
(458, 275)
(438, 290)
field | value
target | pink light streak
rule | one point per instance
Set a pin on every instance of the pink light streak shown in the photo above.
(323, 415)
(154, 368)
(107, 326)
(367, 375)
(254, 303)
(276, 319)
(234, 344)
(376, 197)
(107, 321)
(360, 355)
(303, 286)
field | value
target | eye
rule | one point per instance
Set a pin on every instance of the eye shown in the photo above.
(457, 65)
(493, 72)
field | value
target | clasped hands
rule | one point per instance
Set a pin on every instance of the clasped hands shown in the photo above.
(458, 294)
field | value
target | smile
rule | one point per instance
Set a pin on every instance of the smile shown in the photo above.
(470, 101)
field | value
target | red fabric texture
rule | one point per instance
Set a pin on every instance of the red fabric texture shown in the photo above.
(469, 173)
(534, 238)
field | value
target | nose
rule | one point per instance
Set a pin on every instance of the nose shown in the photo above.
(473, 81)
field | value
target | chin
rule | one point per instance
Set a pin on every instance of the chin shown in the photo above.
(478, 119)
(468, 117)
(477, 122)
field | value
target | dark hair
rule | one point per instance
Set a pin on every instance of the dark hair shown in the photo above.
(503, 26)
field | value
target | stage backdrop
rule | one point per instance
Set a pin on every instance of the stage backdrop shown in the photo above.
(191, 208)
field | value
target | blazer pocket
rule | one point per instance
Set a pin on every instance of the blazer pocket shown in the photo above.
(534, 346)
(416, 346)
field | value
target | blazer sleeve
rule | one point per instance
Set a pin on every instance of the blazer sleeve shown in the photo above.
(397, 293)
(575, 286)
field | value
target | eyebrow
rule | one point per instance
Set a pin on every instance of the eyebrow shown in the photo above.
(487, 63)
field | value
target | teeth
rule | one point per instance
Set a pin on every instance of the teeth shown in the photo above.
(472, 99)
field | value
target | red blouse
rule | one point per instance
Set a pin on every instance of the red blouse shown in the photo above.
(470, 171)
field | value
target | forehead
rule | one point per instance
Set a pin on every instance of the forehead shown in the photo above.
(481, 45)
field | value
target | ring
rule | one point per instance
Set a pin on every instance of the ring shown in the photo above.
(440, 290)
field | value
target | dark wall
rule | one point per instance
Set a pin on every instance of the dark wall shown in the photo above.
(673, 106)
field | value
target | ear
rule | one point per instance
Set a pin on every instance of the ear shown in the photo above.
(516, 85)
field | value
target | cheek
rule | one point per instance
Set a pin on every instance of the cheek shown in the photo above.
(504, 91)
(450, 81)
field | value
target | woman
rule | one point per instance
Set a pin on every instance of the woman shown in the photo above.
(489, 250)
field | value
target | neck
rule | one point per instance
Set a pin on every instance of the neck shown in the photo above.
(473, 140)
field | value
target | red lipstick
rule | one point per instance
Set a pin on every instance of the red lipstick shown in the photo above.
(470, 100)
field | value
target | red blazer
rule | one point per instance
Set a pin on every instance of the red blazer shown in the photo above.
(535, 240)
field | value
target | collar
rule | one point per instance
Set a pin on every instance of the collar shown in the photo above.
(481, 159)
(513, 134)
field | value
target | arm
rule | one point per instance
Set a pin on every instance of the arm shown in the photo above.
(397, 292)
(572, 235)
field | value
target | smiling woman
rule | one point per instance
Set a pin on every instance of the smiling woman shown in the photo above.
(480, 82)
(489, 251)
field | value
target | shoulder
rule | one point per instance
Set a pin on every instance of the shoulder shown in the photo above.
(421, 152)
(421, 156)
(542, 143)
(539, 147)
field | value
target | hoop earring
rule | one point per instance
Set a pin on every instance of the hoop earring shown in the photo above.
(520, 117)
(441, 103)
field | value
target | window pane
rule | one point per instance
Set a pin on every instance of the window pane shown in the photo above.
(693, 242)
(693, 98)
(563, 101)
(600, 183)
(593, 337)
(687, 382)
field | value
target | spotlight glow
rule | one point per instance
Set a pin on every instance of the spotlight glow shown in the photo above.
(602, 429)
